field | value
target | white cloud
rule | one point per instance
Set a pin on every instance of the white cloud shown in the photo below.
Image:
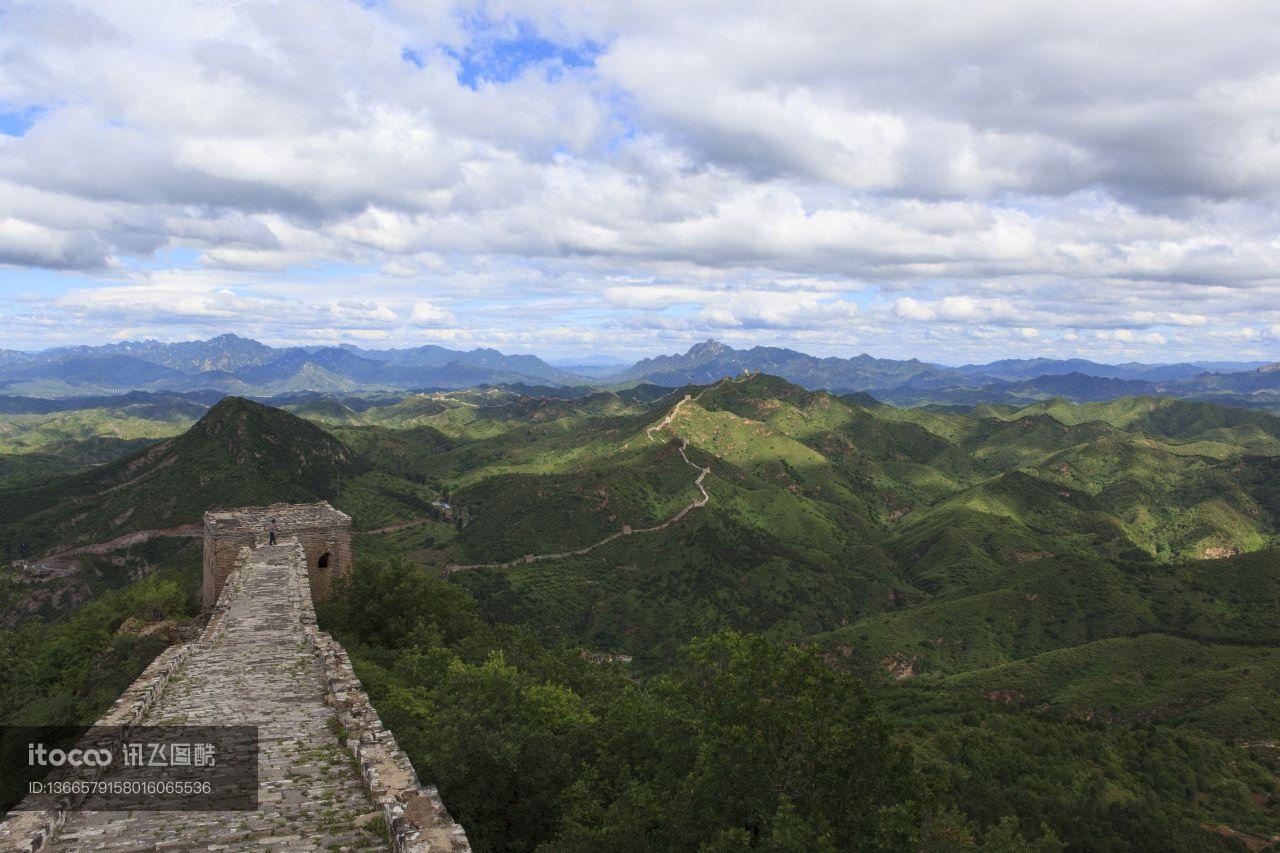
(29, 244)
(959, 309)
(1129, 336)
(426, 315)
(907, 173)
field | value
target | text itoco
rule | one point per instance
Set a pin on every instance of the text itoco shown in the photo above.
(39, 755)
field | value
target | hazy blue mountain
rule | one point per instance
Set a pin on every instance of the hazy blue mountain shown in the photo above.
(229, 364)
(1016, 381)
(588, 361)
(334, 360)
(1075, 387)
(12, 356)
(1251, 389)
(425, 366)
(1265, 378)
(712, 360)
(225, 352)
(1030, 368)
(592, 371)
(528, 366)
(98, 370)
(192, 402)
(590, 366)
(234, 365)
(1229, 366)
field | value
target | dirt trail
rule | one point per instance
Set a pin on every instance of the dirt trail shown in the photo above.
(137, 537)
(628, 530)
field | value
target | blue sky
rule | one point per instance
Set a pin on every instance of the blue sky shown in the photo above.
(631, 178)
(498, 54)
(17, 121)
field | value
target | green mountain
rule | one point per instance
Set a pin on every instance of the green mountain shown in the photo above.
(1204, 427)
(239, 453)
(328, 410)
(830, 510)
(1068, 614)
(125, 420)
(1028, 584)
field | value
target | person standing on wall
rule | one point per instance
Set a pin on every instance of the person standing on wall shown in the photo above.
(271, 532)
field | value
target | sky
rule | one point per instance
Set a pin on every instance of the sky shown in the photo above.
(951, 181)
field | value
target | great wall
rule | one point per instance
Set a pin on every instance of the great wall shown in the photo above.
(330, 775)
(262, 660)
(628, 530)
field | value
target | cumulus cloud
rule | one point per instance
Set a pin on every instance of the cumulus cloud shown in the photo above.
(28, 244)
(773, 310)
(426, 315)
(833, 175)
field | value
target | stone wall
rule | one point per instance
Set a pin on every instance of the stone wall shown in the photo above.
(330, 546)
(219, 559)
(325, 534)
(416, 818)
(34, 830)
(261, 654)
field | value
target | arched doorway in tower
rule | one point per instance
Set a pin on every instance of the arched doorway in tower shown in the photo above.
(323, 562)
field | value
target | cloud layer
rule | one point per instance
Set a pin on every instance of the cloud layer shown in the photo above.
(933, 179)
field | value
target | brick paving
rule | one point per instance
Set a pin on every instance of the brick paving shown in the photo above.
(257, 671)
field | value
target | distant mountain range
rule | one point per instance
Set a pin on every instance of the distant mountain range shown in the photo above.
(230, 364)
(710, 360)
(1013, 381)
(236, 365)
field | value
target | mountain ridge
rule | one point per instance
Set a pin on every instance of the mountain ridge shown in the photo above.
(235, 365)
(914, 382)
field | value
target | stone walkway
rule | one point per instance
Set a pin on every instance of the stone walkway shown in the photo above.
(257, 671)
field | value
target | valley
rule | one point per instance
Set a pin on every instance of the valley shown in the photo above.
(1058, 580)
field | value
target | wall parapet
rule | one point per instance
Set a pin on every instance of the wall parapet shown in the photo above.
(416, 818)
(34, 830)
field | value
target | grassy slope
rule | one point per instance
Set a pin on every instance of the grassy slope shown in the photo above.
(1040, 556)
(25, 433)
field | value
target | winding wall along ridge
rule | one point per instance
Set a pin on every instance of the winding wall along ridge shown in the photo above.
(703, 471)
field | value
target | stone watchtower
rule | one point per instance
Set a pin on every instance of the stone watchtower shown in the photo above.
(324, 532)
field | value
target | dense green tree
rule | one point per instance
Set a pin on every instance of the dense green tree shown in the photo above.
(746, 743)
(504, 747)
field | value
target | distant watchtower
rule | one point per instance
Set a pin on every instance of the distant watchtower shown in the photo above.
(324, 532)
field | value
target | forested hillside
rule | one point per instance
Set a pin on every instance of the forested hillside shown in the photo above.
(1050, 627)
